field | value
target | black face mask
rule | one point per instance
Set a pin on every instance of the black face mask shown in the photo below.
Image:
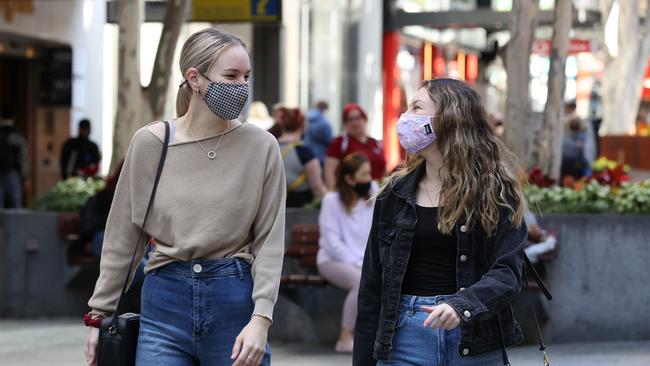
(362, 189)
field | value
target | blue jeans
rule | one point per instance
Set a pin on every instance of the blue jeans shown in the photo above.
(193, 311)
(11, 191)
(414, 344)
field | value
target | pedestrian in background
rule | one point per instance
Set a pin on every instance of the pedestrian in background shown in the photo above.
(80, 156)
(319, 131)
(13, 161)
(258, 115)
(344, 222)
(354, 139)
(302, 169)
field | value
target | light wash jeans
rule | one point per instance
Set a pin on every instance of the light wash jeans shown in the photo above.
(416, 345)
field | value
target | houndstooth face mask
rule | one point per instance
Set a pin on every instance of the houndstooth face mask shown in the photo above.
(226, 100)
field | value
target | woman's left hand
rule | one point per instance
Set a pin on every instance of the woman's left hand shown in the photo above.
(441, 316)
(250, 345)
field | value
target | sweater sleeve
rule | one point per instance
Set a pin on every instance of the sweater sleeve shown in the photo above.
(268, 236)
(124, 219)
(330, 232)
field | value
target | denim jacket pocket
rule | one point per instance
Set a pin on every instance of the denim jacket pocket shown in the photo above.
(386, 235)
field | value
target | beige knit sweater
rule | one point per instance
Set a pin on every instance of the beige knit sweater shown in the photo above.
(233, 206)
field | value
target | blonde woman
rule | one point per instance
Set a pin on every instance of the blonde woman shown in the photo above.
(217, 220)
(258, 115)
(445, 254)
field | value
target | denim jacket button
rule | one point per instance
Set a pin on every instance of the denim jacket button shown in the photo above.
(465, 352)
(461, 289)
(467, 313)
(463, 258)
(463, 228)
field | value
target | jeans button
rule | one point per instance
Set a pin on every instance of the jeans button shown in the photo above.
(197, 268)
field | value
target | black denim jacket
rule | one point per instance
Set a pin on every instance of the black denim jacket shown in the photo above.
(485, 290)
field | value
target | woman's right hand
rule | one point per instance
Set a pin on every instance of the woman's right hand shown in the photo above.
(91, 346)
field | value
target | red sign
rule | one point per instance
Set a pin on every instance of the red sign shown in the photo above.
(543, 46)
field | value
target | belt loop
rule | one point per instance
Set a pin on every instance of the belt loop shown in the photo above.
(240, 271)
(412, 305)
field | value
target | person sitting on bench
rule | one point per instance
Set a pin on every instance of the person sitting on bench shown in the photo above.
(345, 220)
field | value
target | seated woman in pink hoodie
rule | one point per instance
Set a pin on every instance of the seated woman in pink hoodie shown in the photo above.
(345, 220)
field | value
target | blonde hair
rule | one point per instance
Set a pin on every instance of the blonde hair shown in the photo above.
(258, 111)
(481, 179)
(200, 51)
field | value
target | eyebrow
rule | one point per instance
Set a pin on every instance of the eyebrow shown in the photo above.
(236, 70)
(413, 103)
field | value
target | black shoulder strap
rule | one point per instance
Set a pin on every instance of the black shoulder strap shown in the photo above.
(540, 283)
(143, 232)
(538, 279)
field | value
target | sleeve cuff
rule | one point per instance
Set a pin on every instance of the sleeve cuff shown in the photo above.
(97, 312)
(464, 310)
(264, 308)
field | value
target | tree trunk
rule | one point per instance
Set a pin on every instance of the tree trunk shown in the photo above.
(137, 105)
(623, 77)
(129, 90)
(548, 154)
(157, 89)
(518, 111)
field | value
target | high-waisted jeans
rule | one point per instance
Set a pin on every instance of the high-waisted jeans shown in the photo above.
(192, 312)
(416, 345)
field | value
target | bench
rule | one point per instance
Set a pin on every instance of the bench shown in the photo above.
(303, 247)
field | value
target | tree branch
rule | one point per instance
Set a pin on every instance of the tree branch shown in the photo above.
(157, 89)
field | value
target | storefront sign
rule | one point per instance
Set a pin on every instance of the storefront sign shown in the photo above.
(236, 10)
(543, 46)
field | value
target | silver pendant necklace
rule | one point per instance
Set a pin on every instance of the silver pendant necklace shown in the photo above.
(212, 154)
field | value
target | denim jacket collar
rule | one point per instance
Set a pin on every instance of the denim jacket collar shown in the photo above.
(407, 186)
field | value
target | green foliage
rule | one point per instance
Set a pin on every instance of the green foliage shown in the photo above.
(633, 198)
(630, 198)
(68, 195)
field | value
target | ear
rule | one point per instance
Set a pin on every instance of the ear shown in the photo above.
(193, 77)
(349, 179)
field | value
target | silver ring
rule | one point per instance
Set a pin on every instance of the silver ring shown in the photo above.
(250, 358)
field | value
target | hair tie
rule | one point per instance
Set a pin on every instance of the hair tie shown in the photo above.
(183, 84)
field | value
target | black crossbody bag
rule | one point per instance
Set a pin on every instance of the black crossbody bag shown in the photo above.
(118, 334)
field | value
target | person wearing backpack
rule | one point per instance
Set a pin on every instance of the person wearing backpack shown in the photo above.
(13, 162)
(303, 172)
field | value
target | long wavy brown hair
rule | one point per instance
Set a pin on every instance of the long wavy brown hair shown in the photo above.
(480, 178)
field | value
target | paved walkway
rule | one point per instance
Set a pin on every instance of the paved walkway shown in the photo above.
(59, 342)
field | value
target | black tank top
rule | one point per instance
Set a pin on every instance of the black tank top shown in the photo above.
(431, 270)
